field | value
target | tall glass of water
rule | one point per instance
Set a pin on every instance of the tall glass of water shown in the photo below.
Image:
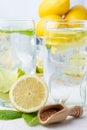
(65, 60)
(17, 53)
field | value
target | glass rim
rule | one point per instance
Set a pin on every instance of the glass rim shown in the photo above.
(66, 24)
(67, 21)
(17, 24)
(17, 20)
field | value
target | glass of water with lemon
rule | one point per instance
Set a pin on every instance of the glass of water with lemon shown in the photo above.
(17, 53)
(65, 59)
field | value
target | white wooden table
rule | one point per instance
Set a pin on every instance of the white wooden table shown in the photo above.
(69, 124)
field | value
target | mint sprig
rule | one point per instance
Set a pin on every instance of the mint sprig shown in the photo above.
(9, 114)
(31, 119)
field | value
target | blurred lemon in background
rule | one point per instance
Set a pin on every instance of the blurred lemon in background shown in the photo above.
(40, 27)
(78, 12)
(55, 10)
(49, 7)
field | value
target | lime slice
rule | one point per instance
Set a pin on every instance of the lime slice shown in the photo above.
(75, 73)
(77, 62)
(77, 59)
(39, 66)
(29, 32)
(7, 78)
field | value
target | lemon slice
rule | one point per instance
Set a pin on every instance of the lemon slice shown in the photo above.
(61, 41)
(29, 93)
(75, 73)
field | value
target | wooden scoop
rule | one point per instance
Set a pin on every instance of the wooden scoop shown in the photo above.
(57, 113)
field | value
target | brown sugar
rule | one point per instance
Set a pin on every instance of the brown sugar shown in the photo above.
(47, 113)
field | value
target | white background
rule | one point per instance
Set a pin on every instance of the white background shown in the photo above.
(19, 9)
(24, 9)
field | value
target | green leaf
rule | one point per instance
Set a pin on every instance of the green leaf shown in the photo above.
(31, 119)
(20, 72)
(9, 114)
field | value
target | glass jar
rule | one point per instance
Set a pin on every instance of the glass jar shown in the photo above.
(65, 60)
(17, 54)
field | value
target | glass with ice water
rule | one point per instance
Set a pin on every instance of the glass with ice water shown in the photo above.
(65, 60)
(17, 53)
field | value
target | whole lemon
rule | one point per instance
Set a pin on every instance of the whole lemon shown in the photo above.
(48, 7)
(77, 12)
(40, 26)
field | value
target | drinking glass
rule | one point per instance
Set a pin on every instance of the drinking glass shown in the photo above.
(17, 53)
(65, 60)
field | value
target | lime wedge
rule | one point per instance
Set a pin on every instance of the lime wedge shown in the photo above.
(39, 66)
(7, 78)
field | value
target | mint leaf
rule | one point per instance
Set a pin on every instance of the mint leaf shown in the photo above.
(9, 114)
(31, 119)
